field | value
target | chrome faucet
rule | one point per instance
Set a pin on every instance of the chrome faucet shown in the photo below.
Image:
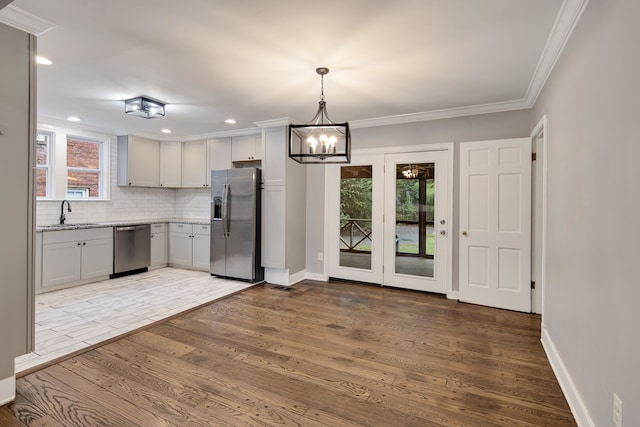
(62, 217)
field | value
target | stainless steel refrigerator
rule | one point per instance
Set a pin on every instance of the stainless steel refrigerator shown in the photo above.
(235, 224)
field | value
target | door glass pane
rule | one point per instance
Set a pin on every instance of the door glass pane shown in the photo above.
(355, 216)
(415, 240)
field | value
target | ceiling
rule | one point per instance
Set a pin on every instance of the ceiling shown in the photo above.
(255, 60)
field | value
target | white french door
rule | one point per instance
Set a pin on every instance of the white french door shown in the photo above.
(416, 229)
(389, 220)
(355, 211)
(495, 223)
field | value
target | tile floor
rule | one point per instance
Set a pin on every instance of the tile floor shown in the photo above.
(71, 319)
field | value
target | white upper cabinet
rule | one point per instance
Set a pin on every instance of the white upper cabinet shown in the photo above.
(275, 156)
(170, 164)
(219, 155)
(194, 164)
(138, 162)
(246, 148)
(199, 158)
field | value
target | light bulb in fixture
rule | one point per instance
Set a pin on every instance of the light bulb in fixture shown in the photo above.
(313, 143)
(230, 121)
(74, 119)
(165, 130)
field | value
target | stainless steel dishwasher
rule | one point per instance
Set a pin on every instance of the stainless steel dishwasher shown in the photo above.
(131, 249)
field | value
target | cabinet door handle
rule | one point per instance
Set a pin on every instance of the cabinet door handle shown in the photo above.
(84, 243)
(78, 243)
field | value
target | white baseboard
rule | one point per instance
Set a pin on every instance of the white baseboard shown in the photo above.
(7, 390)
(297, 277)
(281, 276)
(277, 276)
(571, 393)
(317, 276)
(453, 295)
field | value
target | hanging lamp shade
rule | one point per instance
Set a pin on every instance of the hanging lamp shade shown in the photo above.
(321, 140)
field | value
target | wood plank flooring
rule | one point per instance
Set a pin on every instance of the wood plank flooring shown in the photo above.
(316, 354)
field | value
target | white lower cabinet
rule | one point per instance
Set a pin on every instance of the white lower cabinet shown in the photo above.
(72, 256)
(159, 252)
(189, 245)
(201, 251)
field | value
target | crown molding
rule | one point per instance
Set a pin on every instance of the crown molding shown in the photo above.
(568, 17)
(449, 113)
(223, 134)
(283, 121)
(25, 21)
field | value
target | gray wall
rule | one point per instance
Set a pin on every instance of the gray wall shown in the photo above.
(17, 223)
(592, 101)
(512, 124)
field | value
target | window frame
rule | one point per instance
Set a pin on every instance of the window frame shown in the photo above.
(101, 165)
(48, 167)
(57, 161)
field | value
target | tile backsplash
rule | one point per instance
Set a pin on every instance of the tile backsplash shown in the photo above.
(194, 203)
(129, 203)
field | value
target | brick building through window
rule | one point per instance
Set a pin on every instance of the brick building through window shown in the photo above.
(83, 168)
(43, 144)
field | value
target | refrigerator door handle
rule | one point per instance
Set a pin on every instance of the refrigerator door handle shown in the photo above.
(225, 210)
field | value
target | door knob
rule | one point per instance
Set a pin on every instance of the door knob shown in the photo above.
(464, 233)
(443, 222)
(443, 232)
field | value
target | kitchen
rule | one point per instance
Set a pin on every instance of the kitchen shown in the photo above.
(180, 229)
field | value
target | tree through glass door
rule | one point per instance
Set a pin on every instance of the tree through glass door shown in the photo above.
(416, 220)
(415, 204)
(356, 193)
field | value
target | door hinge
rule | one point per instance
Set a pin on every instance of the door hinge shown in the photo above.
(533, 157)
(533, 284)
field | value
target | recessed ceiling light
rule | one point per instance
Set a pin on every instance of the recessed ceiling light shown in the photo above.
(42, 60)
(165, 130)
(48, 126)
(230, 121)
(74, 119)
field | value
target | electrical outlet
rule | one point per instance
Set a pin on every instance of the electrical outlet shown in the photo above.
(617, 411)
(320, 256)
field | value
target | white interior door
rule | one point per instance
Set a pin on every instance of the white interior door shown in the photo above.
(355, 219)
(416, 229)
(495, 223)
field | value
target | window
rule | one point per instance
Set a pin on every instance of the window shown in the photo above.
(43, 171)
(84, 168)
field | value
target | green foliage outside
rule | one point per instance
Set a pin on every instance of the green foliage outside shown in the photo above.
(355, 199)
(407, 193)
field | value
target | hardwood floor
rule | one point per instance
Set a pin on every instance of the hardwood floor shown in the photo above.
(316, 354)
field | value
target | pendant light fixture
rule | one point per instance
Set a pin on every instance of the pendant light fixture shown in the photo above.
(321, 140)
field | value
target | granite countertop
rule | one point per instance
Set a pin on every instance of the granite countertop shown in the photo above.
(79, 226)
